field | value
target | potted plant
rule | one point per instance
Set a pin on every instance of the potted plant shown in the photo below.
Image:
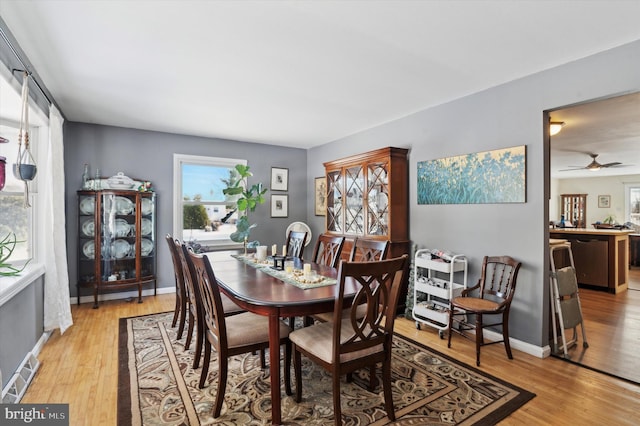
(7, 246)
(247, 199)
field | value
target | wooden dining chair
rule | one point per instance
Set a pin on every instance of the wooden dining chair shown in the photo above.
(496, 287)
(180, 311)
(194, 309)
(328, 250)
(364, 250)
(230, 335)
(347, 344)
(295, 243)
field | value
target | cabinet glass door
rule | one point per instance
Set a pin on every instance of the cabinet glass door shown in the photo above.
(86, 238)
(148, 235)
(354, 191)
(334, 201)
(118, 236)
(377, 199)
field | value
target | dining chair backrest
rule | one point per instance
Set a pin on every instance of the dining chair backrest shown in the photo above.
(295, 243)
(328, 250)
(365, 250)
(380, 284)
(498, 278)
(181, 295)
(189, 285)
(212, 309)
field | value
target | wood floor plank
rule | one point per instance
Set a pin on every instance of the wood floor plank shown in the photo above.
(80, 368)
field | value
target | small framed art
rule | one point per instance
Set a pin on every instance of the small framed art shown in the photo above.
(279, 205)
(321, 196)
(279, 179)
(604, 201)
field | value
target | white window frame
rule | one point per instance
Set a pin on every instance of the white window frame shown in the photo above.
(627, 201)
(34, 142)
(178, 161)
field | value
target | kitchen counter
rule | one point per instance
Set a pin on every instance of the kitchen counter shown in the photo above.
(601, 256)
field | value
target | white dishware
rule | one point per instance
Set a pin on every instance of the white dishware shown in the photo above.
(120, 181)
(122, 228)
(120, 248)
(124, 205)
(146, 206)
(89, 249)
(146, 226)
(146, 246)
(88, 228)
(87, 205)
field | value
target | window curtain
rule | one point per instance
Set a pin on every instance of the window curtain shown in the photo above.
(57, 303)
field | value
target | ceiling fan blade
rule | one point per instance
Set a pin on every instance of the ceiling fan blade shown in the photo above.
(616, 163)
(570, 170)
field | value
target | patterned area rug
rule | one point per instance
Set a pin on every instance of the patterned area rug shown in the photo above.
(157, 386)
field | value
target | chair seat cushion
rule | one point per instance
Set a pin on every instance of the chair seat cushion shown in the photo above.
(318, 340)
(228, 306)
(475, 304)
(248, 328)
(361, 310)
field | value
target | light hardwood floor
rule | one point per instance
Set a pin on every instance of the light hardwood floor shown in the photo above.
(80, 368)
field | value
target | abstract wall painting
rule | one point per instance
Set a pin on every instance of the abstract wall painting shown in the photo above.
(487, 177)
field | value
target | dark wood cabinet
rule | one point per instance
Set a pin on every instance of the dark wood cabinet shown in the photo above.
(116, 241)
(574, 209)
(368, 197)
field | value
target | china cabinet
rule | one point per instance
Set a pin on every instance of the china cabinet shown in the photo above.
(574, 209)
(368, 197)
(116, 241)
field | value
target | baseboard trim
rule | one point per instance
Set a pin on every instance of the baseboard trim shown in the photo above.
(528, 348)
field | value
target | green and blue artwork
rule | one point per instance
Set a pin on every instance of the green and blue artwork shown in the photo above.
(497, 176)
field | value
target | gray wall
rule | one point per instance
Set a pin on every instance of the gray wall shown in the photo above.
(504, 116)
(149, 156)
(21, 325)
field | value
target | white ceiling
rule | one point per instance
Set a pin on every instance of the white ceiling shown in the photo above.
(296, 73)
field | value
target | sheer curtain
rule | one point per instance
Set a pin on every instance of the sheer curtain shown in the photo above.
(57, 304)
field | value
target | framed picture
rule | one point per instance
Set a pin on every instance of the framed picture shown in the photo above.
(279, 179)
(321, 196)
(604, 201)
(279, 205)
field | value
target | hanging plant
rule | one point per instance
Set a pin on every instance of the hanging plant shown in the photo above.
(25, 167)
(7, 246)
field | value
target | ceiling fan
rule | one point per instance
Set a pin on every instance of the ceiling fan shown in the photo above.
(594, 165)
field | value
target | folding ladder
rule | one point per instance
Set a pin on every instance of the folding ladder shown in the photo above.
(565, 301)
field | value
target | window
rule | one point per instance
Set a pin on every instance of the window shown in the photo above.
(202, 213)
(632, 203)
(14, 217)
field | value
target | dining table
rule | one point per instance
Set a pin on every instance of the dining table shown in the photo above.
(265, 291)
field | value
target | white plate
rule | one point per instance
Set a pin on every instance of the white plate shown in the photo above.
(146, 246)
(89, 249)
(120, 249)
(122, 228)
(124, 205)
(88, 228)
(146, 226)
(146, 206)
(87, 205)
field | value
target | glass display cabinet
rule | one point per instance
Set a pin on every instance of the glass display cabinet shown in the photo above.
(116, 241)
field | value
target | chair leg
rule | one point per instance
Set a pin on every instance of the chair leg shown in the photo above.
(192, 321)
(222, 385)
(183, 317)
(386, 386)
(287, 368)
(297, 366)
(199, 340)
(451, 310)
(205, 367)
(337, 410)
(176, 312)
(505, 334)
(372, 378)
(479, 339)
(263, 362)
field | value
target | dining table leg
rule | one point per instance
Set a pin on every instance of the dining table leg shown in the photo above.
(274, 368)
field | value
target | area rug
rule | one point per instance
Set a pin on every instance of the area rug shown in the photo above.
(157, 386)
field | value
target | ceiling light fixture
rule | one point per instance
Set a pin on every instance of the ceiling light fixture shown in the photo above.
(555, 127)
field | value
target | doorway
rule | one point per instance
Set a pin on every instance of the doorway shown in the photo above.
(606, 131)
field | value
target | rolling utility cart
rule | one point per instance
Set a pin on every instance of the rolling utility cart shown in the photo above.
(429, 273)
(566, 311)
